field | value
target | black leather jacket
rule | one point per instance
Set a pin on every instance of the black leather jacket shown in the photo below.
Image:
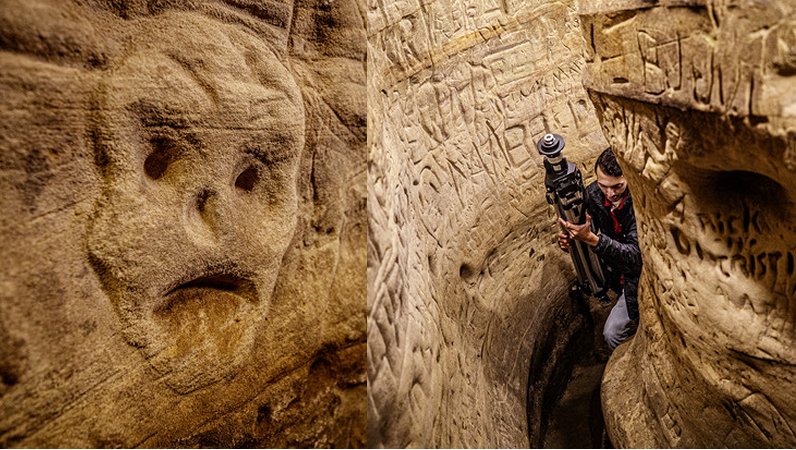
(618, 245)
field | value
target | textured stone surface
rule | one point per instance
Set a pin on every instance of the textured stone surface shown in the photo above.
(699, 100)
(466, 287)
(183, 223)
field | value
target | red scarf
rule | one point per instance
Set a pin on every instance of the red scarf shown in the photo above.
(617, 226)
(611, 209)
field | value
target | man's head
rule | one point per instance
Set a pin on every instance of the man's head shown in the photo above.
(609, 176)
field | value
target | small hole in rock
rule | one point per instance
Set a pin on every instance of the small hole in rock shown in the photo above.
(263, 414)
(465, 271)
(247, 179)
(8, 377)
(159, 160)
(201, 200)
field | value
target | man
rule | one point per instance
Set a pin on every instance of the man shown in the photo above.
(610, 206)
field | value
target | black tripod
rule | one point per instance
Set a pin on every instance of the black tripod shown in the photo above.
(564, 185)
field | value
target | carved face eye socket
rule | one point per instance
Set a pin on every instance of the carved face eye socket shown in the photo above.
(164, 152)
(247, 179)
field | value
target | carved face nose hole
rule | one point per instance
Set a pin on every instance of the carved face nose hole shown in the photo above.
(247, 179)
(163, 154)
(202, 216)
(202, 200)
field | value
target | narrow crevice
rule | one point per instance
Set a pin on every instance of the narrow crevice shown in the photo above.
(564, 386)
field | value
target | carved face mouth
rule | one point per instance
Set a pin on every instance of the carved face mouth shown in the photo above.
(204, 290)
(202, 323)
(213, 301)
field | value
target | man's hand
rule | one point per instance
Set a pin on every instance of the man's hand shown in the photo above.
(563, 241)
(581, 233)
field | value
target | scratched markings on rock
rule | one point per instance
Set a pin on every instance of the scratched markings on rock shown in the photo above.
(698, 102)
(459, 229)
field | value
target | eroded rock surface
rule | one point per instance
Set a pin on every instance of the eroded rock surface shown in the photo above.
(699, 101)
(467, 291)
(183, 223)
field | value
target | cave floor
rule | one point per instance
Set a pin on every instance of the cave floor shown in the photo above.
(574, 422)
(576, 419)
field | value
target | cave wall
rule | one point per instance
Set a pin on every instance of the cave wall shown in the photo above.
(466, 286)
(699, 101)
(171, 279)
(183, 223)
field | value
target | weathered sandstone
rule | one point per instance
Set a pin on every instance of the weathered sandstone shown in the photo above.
(183, 223)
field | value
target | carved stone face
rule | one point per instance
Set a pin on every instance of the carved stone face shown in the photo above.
(197, 211)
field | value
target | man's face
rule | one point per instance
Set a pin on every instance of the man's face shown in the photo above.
(199, 206)
(613, 187)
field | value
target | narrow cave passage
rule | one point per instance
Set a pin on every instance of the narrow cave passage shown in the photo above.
(570, 411)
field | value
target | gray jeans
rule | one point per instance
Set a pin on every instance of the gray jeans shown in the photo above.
(617, 327)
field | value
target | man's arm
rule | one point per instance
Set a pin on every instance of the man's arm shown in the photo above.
(625, 255)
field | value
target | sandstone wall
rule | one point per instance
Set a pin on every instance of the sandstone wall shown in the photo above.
(699, 101)
(466, 288)
(183, 223)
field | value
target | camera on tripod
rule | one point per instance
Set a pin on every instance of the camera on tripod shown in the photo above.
(565, 191)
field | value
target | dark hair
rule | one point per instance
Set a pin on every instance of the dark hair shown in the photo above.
(607, 163)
